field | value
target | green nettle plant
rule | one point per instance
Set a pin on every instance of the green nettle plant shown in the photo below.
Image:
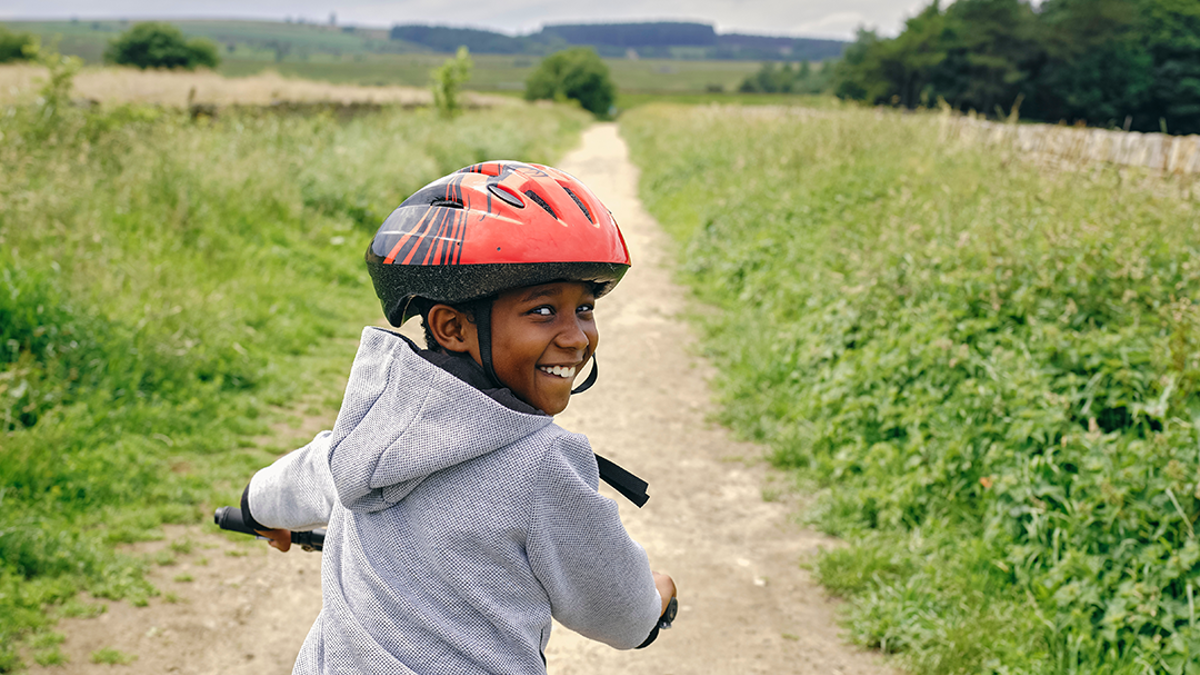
(161, 45)
(988, 371)
(165, 285)
(448, 80)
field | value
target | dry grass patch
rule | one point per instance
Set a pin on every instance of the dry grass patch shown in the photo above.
(20, 83)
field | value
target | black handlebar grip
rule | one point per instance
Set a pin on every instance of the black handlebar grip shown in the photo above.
(313, 540)
(230, 518)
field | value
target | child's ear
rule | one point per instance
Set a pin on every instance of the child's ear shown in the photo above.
(453, 329)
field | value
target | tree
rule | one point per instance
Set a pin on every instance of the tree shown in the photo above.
(576, 74)
(977, 54)
(1096, 68)
(1107, 62)
(16, 46)
(992, 54)
(161, 45)
(1171, 34)
(768, 80)
(859, 75)
(772, 80)
(448, 79)
(900, 69)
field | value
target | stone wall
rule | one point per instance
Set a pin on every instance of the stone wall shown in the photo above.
(1161, 152)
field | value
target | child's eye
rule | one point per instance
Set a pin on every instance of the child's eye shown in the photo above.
(544, 310)
(584, 309)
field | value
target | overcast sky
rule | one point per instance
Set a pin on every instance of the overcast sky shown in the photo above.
(808, 18)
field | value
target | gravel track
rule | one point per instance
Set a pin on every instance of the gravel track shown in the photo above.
(746, 606)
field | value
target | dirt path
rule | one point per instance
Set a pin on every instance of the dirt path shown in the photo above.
(745, 604)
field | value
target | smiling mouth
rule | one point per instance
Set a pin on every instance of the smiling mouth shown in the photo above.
(559, 371)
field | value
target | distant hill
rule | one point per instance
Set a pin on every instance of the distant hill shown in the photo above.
(657, 39)
(444, 39)
(632, 35)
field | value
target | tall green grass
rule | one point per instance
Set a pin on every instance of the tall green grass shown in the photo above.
(989, 371)
(165, 285)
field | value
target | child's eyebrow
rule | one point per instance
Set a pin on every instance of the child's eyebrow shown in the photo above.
(542, 293)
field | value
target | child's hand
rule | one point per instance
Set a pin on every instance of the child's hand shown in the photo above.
(280, 539)
(665, 586)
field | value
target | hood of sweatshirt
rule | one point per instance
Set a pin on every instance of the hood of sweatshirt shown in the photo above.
(404, 418)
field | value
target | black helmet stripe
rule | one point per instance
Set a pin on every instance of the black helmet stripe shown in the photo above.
(419, 234)
(449, 235)
(442, 244)
(423, 254)
(439, 233)
(438, 242)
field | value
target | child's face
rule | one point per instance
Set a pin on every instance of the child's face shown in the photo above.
(541, 338)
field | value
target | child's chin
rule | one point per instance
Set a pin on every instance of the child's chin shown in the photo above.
(556, 406)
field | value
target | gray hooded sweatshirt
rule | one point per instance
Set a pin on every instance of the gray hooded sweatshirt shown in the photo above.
(457, 528)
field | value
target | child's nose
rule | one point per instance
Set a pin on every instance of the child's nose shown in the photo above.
(572, 336)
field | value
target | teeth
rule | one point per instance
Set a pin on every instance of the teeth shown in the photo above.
(559, 371)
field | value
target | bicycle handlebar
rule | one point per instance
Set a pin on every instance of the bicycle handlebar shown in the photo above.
(230, 518)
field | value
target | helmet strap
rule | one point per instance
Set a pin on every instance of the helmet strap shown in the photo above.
(483, 329)
(590, 380)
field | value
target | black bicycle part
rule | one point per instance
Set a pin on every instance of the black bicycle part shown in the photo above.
(230, 518)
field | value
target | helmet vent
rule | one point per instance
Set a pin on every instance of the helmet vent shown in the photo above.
(447, 203)
(579, 202)
(505, 195)
(541, 202)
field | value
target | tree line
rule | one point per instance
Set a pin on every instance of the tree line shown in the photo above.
(1131, 64)
(651, 39)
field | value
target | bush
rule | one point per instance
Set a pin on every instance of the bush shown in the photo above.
(785, 80)
(161, 45)
(16, 46)
(448, 79)
(574, 74)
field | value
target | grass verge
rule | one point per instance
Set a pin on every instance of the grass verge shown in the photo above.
(989, 371)
(165, 285)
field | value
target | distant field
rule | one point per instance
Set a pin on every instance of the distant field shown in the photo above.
(22, 83)
(500, 72)
(367, 57)
(628, 99)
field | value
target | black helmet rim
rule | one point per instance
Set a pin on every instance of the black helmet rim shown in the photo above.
(398, 285)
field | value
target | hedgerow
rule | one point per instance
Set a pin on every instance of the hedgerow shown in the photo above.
(988, 370)
(167, 284)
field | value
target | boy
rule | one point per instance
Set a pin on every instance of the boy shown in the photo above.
(460, 517)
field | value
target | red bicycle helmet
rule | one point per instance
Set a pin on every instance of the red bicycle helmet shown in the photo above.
(490, 227)
(487, 228)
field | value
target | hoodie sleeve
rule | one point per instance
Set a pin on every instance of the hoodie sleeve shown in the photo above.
(598, 579)
(296, 492)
